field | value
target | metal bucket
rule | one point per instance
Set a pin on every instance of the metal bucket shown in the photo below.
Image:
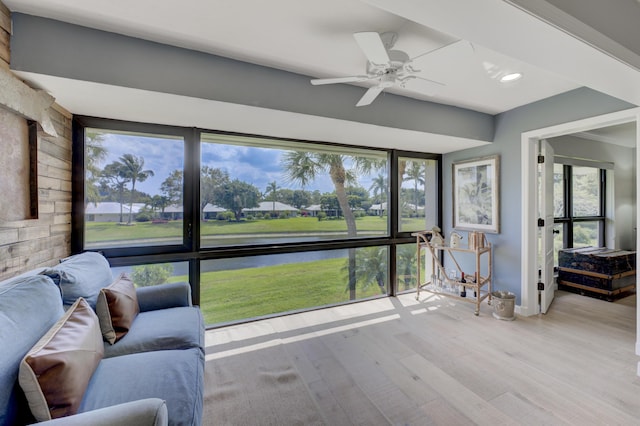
(503, 305)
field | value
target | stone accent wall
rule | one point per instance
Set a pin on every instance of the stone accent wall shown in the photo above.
(28, 244)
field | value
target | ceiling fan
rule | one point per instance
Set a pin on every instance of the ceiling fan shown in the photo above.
(388, 67)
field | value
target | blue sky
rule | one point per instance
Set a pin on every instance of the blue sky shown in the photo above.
(258, 166)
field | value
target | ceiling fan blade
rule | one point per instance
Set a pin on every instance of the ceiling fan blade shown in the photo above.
(370, 95)
(352, 79)
(373, 47)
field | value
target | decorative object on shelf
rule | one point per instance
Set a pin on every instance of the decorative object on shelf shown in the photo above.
(454, 239)
(476, 195)
(436, 239)
(477, 240)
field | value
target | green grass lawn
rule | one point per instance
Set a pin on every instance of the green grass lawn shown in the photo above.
(252, 292)
(110, 231)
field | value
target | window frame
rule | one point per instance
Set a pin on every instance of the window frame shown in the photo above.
(190, 250)
(568, 220)
(80, 124)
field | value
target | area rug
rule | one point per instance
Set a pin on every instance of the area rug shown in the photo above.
(270, 392)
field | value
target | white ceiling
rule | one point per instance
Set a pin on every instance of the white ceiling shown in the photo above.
(312, 38)
(621, 134)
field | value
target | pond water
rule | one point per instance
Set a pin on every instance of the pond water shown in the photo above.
(182, 268)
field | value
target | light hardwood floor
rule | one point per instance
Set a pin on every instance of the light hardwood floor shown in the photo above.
(405, 362)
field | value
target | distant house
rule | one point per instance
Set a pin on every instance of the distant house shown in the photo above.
(210, 211)
(110, 211)
(173, 212)
(412, 207)
(176, 212)
(312, 210)
(272, 206)
(379, 209)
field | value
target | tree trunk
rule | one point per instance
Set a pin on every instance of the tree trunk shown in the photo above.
(338, 176)
(343, 201)
(121, 197)
(352, 274)
(133, 187)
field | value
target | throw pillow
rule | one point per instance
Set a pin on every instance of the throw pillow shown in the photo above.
(55, 373)
(117, 307)
(81, 275)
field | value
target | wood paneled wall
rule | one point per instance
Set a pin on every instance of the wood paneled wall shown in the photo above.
(28, 244)
(5, 33)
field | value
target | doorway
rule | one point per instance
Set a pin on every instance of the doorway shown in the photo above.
(529, 276)
(529, 144)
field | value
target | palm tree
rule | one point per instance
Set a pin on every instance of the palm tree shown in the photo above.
(406, 265)
(302, 167)
(415, 172)
(379, 187)
(371, 267)
(133, 169)
(272, 188)
(94, 154)
(113, 173)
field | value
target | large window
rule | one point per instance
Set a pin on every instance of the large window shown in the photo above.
(133, 189)
(579, 205)
(245, 287)
(418, 193)
(258, 226)
(262, 191)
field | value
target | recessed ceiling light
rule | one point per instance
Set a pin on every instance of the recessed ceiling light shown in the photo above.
(508, 78)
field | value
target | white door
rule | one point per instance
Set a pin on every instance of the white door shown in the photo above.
(547, 283)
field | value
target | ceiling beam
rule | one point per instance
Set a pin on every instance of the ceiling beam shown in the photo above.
(54, 48)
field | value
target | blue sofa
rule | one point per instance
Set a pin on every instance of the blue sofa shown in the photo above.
(151, 376)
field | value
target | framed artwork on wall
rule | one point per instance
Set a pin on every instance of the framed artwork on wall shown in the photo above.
(476, 194)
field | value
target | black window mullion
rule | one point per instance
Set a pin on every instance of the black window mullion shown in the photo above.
(603, 205)
(394, 196)
(191, 192)
(78, 175)
(569, 204)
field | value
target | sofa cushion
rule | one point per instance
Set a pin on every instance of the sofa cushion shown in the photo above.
(117, 307)
(29, 306)
(81, 275)
(141, 412)
(163, 296)
(173, 328)
(55, 372)
(175, 376)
